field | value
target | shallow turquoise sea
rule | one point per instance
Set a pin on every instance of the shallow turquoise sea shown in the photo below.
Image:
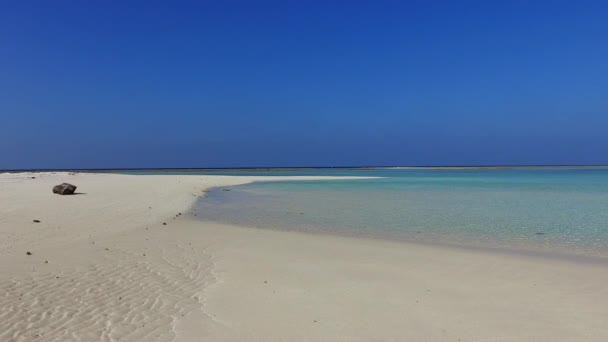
(557, 209)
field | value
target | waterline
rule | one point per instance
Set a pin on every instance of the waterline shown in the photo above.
(563, 210)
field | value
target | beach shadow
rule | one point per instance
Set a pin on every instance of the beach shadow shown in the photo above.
(78, 193)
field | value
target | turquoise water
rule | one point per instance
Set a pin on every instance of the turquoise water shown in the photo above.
(552, 209)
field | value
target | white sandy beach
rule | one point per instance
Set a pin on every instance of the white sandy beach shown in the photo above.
(104, 266)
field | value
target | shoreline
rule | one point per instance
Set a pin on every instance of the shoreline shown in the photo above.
(546, 253)
(115, 271)
(557, 252)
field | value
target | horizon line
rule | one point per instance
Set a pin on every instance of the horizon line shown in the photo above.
(287, 168)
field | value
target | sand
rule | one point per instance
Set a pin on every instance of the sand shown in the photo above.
(103, 266)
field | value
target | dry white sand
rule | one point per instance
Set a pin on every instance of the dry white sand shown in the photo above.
(116, 273)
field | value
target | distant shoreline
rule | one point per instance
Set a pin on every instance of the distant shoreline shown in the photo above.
(271, 169)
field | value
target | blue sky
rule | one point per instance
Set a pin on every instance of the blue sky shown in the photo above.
(302, 83)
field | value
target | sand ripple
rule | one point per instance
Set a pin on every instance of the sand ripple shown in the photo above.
(126, 297)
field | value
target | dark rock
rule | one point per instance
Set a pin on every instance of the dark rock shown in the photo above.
(164, 223)
(28, 253)
(36, 221)
(64, 189)
(46, 261)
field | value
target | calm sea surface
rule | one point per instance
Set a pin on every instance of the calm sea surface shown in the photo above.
(537, 209)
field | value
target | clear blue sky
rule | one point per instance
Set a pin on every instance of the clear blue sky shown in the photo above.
(297, 83)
